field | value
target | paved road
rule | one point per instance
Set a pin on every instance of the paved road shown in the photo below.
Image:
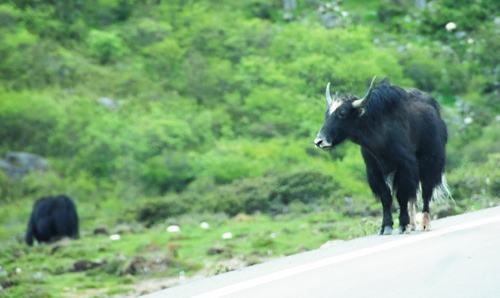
(459, 258)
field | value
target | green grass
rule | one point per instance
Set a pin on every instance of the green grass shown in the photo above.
(46, 273)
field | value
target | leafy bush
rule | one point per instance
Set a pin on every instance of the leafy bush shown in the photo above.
(28, 122)
(106, 47)
(25, 62)
(159, 209)
(470, 180)
(146, 32)
(468, 15)
(9, 17)
(172, 171)
(388, 10)
(306, 187)
(264, 194)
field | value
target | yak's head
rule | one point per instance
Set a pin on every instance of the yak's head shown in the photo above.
(340, 118)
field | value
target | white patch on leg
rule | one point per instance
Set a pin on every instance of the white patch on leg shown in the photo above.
(389, 181)
(426, 221)
(411, 212)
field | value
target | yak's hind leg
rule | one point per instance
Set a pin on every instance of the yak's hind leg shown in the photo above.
(406, 182)
(431, 169)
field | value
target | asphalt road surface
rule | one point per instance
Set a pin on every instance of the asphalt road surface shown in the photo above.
(460, 257)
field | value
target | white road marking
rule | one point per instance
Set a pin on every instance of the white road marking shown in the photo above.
(341, 258)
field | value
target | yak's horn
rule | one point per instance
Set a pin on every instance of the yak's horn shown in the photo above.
(361, 103)
(329, 100)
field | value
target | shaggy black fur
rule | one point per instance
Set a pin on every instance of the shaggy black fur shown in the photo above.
(401, 135)
(51, 219)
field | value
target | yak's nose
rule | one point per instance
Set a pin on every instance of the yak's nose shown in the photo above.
(318, 142)
(322, 143)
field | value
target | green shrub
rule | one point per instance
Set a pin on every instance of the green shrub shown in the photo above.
(25, 60)
(468, 15)
(172, 171)
(306, 187)
(264, 194)
(146, 32)
(164, 60)
(480, 180)
(159, 209)
(389, 10)
(106, 47)
(28, 122)
(9, 17)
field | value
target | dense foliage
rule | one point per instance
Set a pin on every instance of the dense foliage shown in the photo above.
(214, 104)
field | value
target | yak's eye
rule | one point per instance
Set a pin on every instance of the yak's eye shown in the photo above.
(342, 113)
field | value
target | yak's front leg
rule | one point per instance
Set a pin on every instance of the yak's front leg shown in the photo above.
(411, 212)
(387, 221)
(378, 185)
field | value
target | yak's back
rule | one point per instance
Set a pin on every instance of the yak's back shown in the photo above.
(417, 96)
(51, 219)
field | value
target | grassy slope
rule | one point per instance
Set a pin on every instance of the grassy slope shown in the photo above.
(255, 238)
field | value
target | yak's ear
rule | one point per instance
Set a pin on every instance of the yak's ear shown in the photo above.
(361, 111)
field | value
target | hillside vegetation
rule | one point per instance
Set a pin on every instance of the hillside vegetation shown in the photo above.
(152, 113)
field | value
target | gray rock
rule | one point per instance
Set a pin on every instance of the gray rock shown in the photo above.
(12, 171)
(27, 161)
(289, 4)
(331, 20)
(108, 103)
(420, 4)
(288, 16)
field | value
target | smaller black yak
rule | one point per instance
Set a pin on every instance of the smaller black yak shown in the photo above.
(52, 218)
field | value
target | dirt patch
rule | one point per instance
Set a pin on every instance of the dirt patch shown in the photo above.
(156, 284)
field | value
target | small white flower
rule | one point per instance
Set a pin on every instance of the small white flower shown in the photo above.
(18, 270)
(468, 120)
(344, 14)
(451, 26)
(173, 229)
(205, 225)
(114, 237)
(227, 235)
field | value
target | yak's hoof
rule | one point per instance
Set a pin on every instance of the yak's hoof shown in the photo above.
(387, 230)
(426, 221)
(412, 226)
(405, 230)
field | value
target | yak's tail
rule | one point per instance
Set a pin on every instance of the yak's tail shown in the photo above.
(441, 194)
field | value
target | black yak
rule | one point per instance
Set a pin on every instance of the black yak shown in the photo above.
(52, 218)
(402, 139)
